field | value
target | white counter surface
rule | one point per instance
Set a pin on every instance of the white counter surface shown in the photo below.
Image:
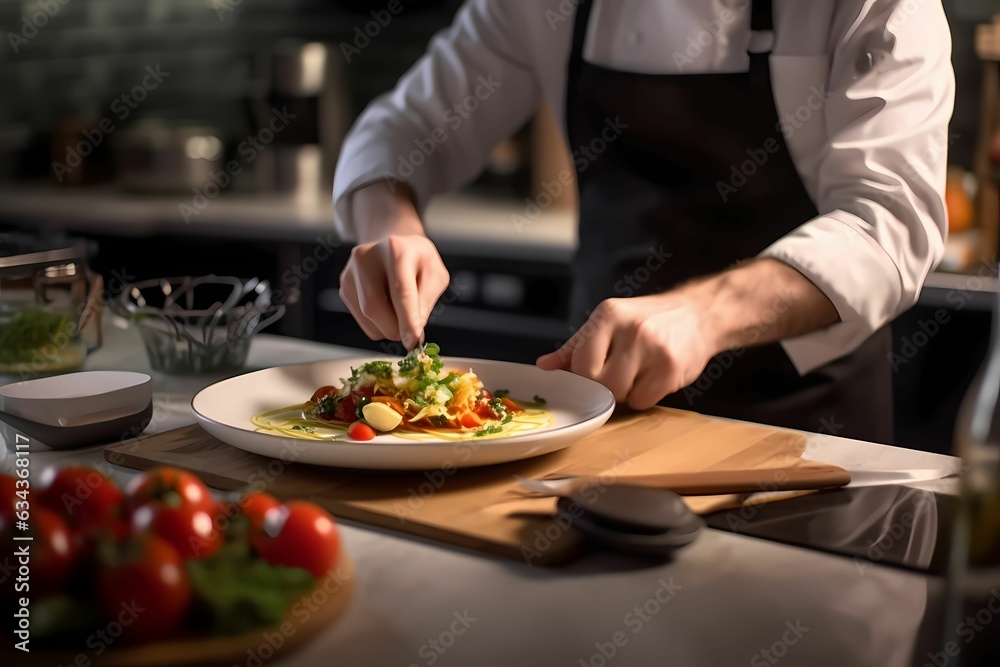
(735, 596)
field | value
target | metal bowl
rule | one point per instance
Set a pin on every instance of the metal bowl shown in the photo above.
(198, 324)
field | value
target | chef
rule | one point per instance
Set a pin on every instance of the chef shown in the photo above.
(760, 184)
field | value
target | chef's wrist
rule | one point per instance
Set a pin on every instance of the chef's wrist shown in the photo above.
(759, 301)
(384, 208)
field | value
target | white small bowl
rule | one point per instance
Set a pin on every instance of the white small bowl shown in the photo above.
(76, 399)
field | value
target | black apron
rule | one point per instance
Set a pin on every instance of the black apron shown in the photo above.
(655, 157)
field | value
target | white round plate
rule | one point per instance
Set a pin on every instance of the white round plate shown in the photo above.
(578, 406)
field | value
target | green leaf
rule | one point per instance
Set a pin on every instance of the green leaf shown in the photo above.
(502, 393)
(60, 615)
(236, 591)
(539, 400)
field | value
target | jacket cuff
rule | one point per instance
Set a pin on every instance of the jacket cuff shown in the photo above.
(853, 271)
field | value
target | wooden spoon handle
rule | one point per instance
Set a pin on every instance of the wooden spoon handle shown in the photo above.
(721, 482)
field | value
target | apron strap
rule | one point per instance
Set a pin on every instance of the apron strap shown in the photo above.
(580, 23)
(761, 41)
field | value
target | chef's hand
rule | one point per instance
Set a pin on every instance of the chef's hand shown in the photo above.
(641, 348)
(395, 274)
(644, 348)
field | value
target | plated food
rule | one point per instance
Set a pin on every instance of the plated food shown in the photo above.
(416, 397)
(232, 410)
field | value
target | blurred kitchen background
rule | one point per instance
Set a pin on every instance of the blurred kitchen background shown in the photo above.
(119, 120)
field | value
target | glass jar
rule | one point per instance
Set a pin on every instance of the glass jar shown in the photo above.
(50, 305)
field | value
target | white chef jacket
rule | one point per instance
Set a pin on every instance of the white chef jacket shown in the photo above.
(864, 90)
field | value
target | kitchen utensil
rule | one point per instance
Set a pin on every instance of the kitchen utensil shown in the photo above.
(708, 482)
(474, 508)
(638, 519)
(198, 324)
(157, 155)
(76, 409)
(18, 432)
(80, 398)
(50, 304)
(305, 81)
(578, 407)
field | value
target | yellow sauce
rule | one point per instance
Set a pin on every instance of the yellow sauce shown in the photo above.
(284, 421)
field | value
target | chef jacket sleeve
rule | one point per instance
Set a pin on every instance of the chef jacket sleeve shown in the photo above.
(474, 88)
(880, 186)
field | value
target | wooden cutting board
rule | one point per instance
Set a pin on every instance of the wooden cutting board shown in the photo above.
(481, 508)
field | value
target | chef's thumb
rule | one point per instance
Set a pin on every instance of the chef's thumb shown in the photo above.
(554, 360)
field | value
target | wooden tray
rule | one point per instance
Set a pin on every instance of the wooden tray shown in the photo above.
(296, 630)
(479, 508)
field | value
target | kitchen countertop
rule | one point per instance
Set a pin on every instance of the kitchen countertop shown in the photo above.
(733, 596)
(459, 224)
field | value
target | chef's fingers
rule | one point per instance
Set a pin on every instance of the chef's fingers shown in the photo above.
(584, 353)
(654, 382)
(401, 270)
(560, 359)
(622, 366)
(349, 295)
(374, 299)
(433, 279)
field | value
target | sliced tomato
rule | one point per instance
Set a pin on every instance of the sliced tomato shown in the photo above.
(392, 402)
(346, 410)
(511, 405)
(485, 412)
(323, 392)
(471, 420)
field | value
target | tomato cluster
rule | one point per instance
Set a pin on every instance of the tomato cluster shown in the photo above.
(127, 549)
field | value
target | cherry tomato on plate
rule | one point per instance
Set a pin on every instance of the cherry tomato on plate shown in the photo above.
(79, 494)
(188, 529)
(360, 431)
(141, 583)
(299, 534)
(172, 486)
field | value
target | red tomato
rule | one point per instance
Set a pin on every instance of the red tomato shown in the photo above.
(299, 534)
(172, 486)
(322, 393)
(78, 494)
(53, 558)
(485, 412)
(360, 431)
(471, 420)
(142, 584)
(255, 506)
(188, 529)
(8, 496)
(90, 533)
(391, 402)
(511, 406)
